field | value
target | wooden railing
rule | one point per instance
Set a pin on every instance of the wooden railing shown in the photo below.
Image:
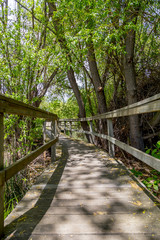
(148, 105)
(10, 106)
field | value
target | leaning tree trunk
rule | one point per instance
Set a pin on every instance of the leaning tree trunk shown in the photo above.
(59, 31)
(99, 88)
(130, 77)
(82, 111)
(96, 80)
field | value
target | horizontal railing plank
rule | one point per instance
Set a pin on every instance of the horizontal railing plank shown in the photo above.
(11, 106)
(10, 171)
(144, 157)
(148, 105)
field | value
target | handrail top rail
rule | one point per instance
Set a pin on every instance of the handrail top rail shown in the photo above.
(147, 105)
(12, 106)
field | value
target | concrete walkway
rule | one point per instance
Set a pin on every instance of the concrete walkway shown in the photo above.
(87, 196)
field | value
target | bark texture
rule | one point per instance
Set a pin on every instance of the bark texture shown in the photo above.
(99, 89)
(96, 80)
(130, 77)
(70, 72)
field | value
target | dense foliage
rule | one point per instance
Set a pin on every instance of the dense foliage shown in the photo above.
(79, 58)
(42, 40)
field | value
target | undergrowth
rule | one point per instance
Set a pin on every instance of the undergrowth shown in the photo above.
(155, 152)
(150, 180)
(15, 189)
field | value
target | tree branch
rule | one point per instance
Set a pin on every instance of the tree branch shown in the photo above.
(33, 15)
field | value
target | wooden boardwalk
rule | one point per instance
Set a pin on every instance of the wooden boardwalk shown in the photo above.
(87, 196)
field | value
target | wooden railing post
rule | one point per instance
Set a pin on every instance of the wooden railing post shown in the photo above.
(110, 133)
(70, 128)
(64, 127)
(2, 180)
(53, 135)
(44, 138)
(91, 130)
(58, 127)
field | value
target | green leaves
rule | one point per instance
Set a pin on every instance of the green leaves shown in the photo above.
(156, 151)
(152, 182)
(150, 178)
(136, 173)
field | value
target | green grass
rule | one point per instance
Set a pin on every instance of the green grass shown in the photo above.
(151, 180)
(9, 206)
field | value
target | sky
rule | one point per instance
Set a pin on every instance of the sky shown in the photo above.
(11, 4)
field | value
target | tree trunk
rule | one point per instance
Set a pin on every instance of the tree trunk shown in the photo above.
(96, 78)
(99, 89)
(70, 73)
(82, 112)
(130, 77)
(87, 94)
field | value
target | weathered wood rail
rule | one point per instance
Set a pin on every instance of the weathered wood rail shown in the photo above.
(85, 195)
(10, 106)
(148, 105)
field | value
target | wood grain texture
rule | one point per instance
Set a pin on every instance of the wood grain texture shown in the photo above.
(11, 106)
(111, 134)
(86, 196)
(2, 177)
(23, 162)
(144, 157)
(148, 105)
(145, 106)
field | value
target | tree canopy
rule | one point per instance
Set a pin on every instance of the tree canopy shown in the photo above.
(79, 58)
(100, 54)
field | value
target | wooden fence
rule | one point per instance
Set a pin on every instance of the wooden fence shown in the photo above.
(10, 106)
(148, 105)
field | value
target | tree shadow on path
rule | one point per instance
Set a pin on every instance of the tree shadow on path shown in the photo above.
(24, 225)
